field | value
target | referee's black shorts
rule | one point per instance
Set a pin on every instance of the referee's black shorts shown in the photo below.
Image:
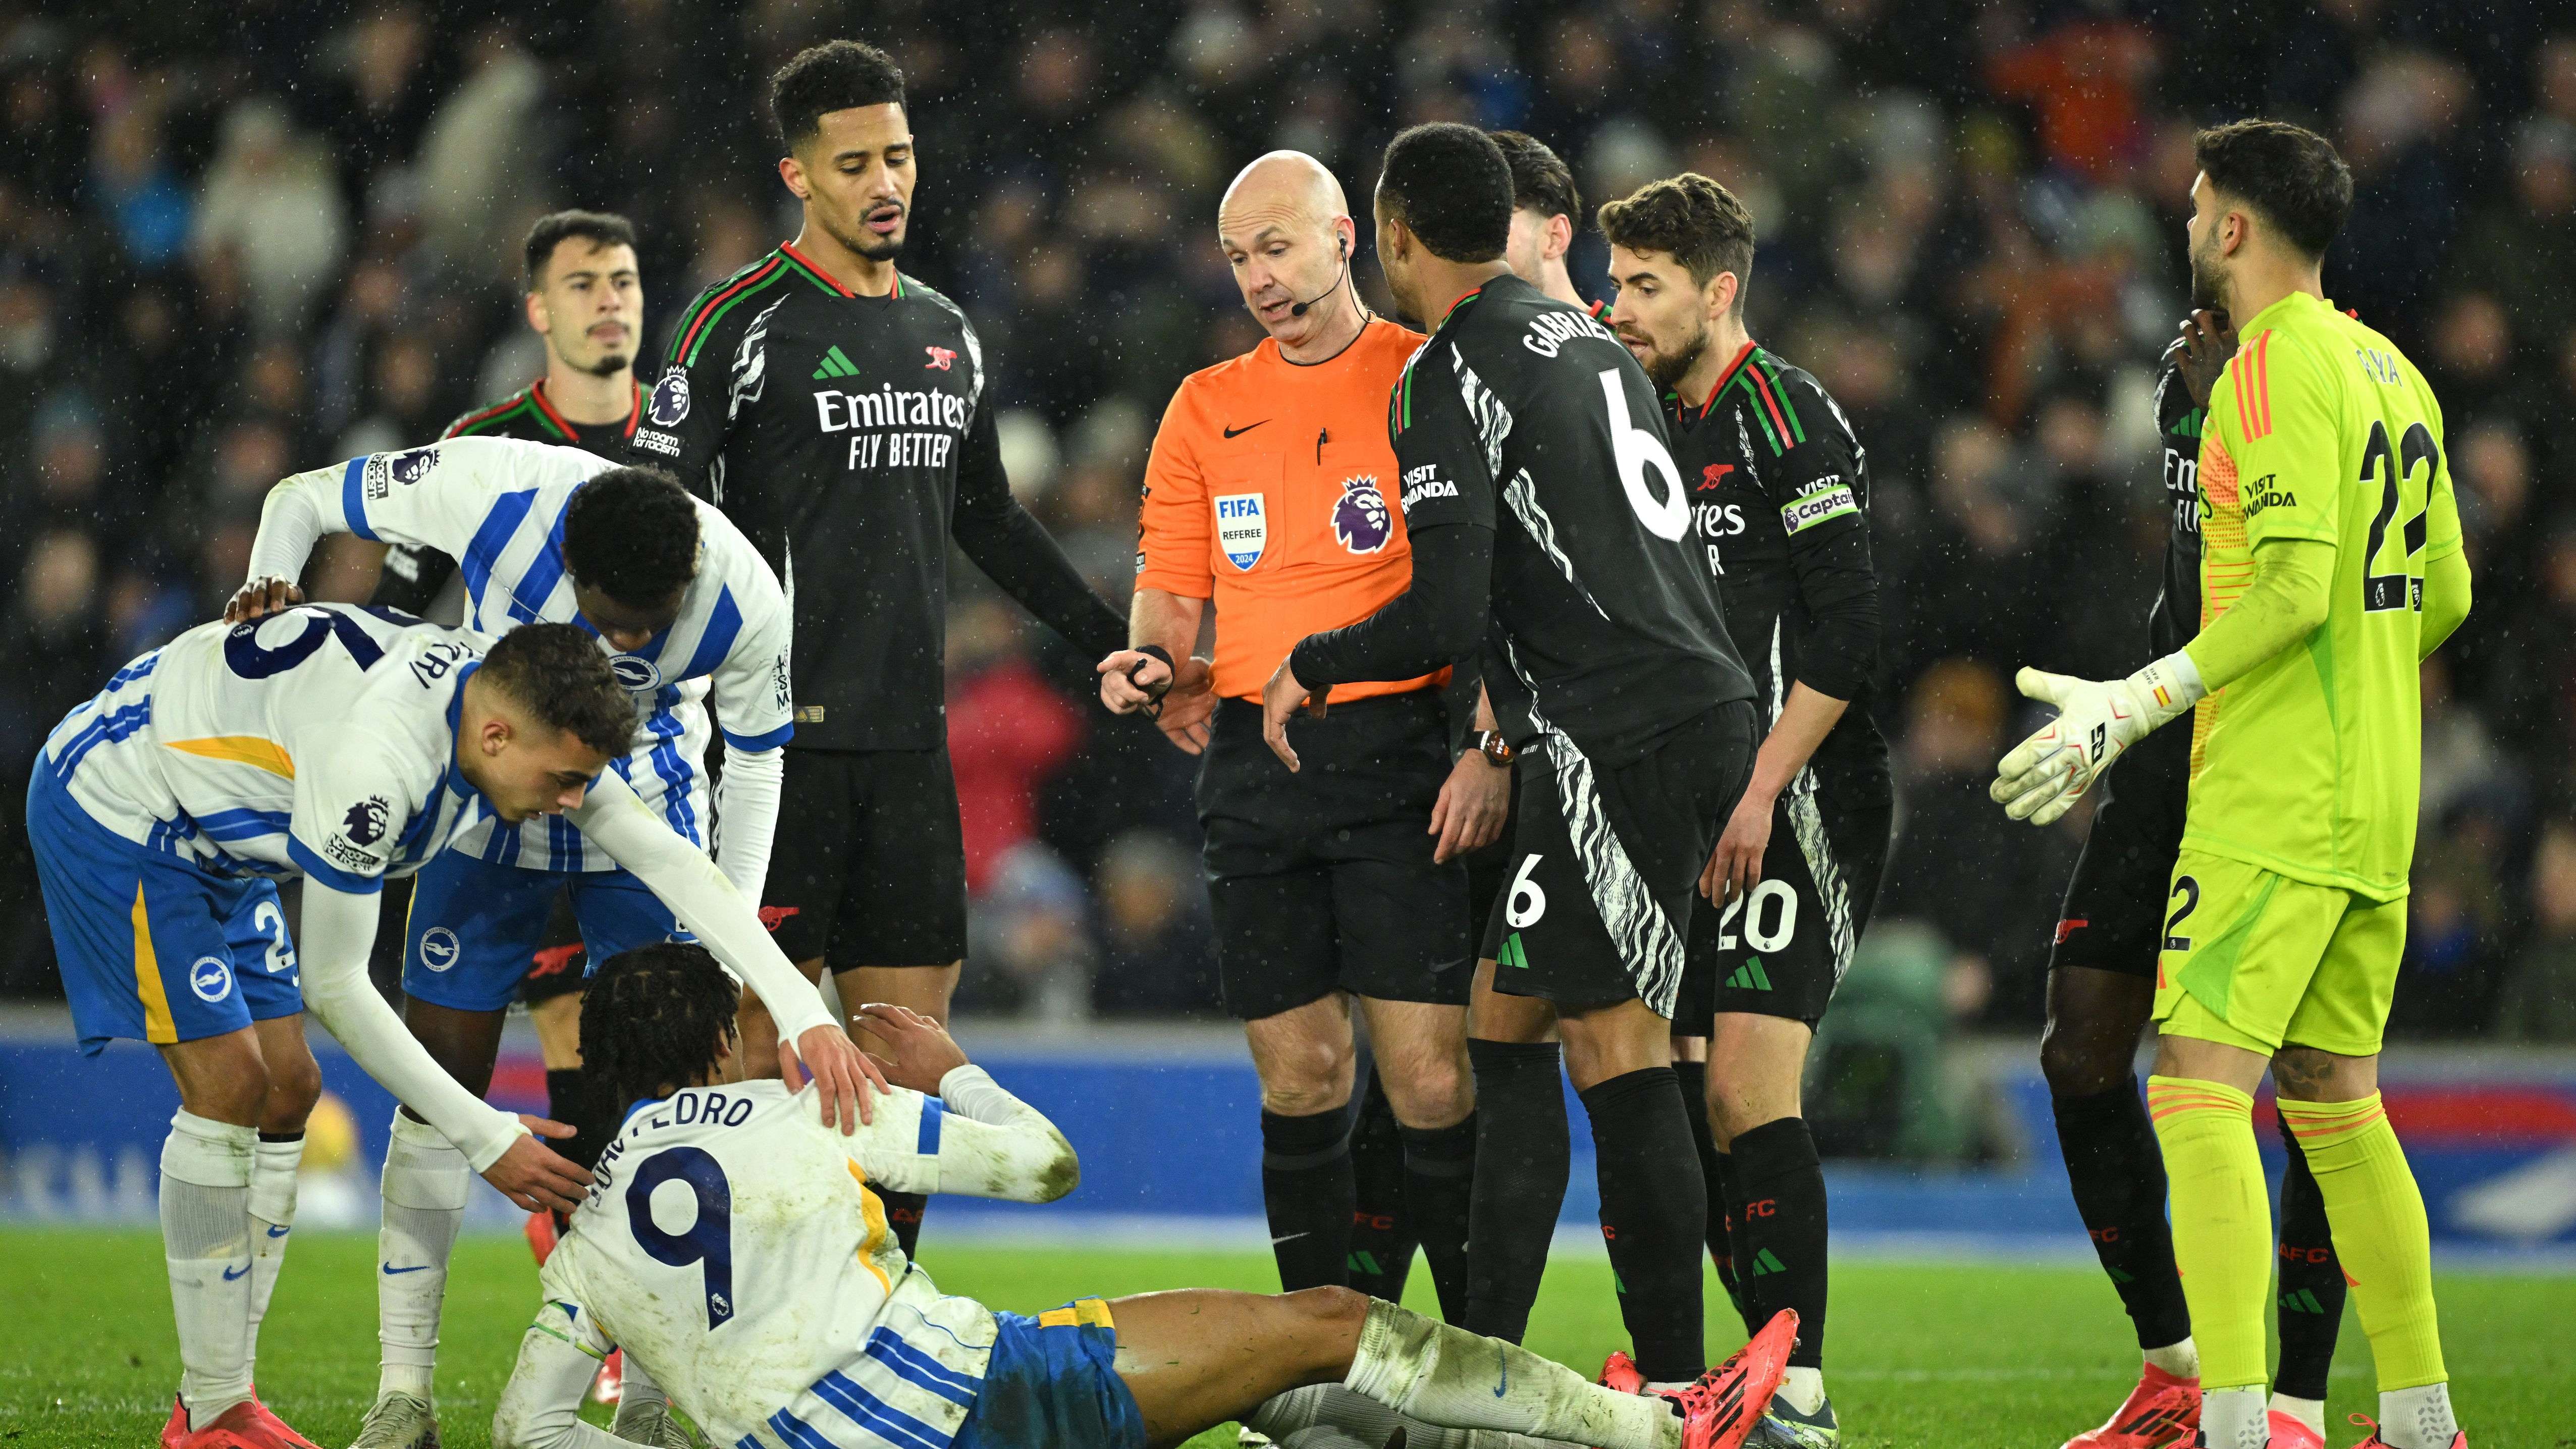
(2113, 919)
(868, 865)
(1322, 879)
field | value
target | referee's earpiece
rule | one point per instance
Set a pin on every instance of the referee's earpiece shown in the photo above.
(1342, 250)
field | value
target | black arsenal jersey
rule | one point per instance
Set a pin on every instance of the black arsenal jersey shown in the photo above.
(413, 577)
(851, 437)
(1779, 491)
(1524, 417)
(2177, 614)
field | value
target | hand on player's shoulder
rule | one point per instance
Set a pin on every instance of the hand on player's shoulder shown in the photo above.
(915, 1051)
(260, 598)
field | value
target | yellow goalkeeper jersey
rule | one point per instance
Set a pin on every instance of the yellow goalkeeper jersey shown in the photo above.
(2310, 764)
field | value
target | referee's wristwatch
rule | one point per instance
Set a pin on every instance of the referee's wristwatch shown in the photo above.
(1491, 744)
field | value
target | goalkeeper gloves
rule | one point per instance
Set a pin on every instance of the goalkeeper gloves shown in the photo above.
(2096, 720)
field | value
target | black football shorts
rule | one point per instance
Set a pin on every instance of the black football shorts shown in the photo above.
(2113, 919)
(1781, 948)
(1322, 879)
(1606, 863)
(868, 866)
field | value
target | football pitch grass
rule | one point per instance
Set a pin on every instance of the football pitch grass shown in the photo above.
(1955, 1355)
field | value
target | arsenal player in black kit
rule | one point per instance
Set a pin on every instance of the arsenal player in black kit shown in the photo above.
(1549, 521)
(837, 410)
(1780, 520)
(2101, 984)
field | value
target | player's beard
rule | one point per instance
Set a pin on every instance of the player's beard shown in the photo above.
(1667, 369)
(609, 365)
(868, 244)
(2208, 278)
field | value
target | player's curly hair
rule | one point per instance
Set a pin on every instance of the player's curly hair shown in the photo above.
(1541, 181)
(837, 75)
(557, 673)
(632, 532)
(1450, 185)
(2289, 174)
(1691, 219)
(651, 1018)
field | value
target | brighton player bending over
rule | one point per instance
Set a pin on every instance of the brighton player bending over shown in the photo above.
(681, 604)
(743, 1254)
(345, 748)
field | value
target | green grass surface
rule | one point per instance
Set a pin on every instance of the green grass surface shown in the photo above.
(1956, 1356)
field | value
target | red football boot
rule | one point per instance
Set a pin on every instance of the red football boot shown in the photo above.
(610, 1386)
(2289, 1431)
(2162, 1412)
(1722, 1408)
(542, 1235)
(175, 1433)
(2458, 1441)
(1619, 1373)
(239, 1427)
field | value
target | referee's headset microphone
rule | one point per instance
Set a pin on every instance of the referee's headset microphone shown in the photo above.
(1344, 245)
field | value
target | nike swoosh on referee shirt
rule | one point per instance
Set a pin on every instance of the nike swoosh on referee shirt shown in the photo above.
(1247, 427)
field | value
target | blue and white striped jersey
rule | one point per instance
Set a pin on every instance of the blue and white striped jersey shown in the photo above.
(497, 506)
(320, 741)
(736, 1247)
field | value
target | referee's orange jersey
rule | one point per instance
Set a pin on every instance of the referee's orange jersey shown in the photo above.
(1272, 491)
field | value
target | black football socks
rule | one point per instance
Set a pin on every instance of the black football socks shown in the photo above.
(1439, 1198)
(1523, 1153)
(1382, 1239)
(2118, 1173)
(1306, 1185)
(2312, 1285)
(1779, 1185)
(1654, 1215)
(1693, 1077)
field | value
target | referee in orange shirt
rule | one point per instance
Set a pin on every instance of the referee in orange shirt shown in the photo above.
(1271, 491)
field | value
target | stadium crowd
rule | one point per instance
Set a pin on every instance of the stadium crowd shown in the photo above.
(239, 240)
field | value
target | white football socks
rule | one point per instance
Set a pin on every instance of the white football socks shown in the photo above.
(1803, 1389)
(272, 1216)
(2418, 1418)
(205, 1237)
(2182, 1360)
(2235, 1418)
(2311, 1412)
(425, 1185)
(1449, 1377)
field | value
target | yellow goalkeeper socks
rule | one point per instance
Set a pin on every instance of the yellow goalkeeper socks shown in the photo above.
(2380, 1233)
(2222, 1223)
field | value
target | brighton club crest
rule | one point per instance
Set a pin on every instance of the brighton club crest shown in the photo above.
(1360, 515)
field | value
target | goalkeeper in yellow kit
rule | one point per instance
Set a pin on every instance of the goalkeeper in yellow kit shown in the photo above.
(2331, 566)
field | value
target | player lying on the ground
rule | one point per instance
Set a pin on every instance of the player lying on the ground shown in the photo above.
(684, 607)
(342, 747)
(742, 1254)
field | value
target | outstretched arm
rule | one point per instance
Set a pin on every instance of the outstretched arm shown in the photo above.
(696, 890)
(332, 940)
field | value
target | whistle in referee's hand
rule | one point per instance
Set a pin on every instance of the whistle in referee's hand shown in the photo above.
(1153, 692)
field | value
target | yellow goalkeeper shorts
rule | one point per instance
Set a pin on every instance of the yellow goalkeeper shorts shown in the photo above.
(2257, 960)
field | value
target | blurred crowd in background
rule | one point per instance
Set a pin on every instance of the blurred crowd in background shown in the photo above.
(242, 239)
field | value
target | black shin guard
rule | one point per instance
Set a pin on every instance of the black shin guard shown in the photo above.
(1523, 1152)
(1382, 1236)
(2118, 1173)
(2312, 1286)
(1306, 1186)
(1654, 1214)
(1781, 1189)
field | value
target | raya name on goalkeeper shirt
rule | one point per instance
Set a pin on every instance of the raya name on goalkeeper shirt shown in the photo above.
(2310, 764)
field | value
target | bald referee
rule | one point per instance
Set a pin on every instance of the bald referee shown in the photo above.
(1272, 493)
